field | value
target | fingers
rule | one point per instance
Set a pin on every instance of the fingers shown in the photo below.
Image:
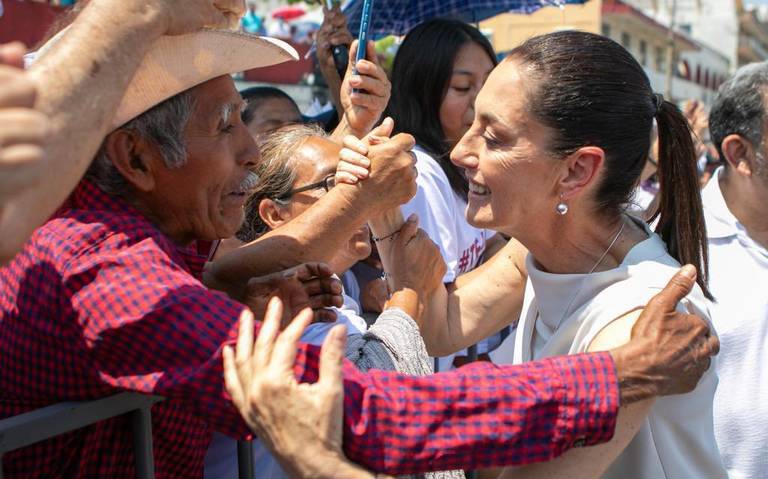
(409, 230)
(287, 344)
(244, 348)
(332, 358)
(313, 269)
(326, 285)
(17, 90)
(231, 378)
(23, 126)
(676, 289)
(12, 54)
(325, 316)
(356, 145)
(270, 327)
(352, 57)
(383, 130)
(346, 178)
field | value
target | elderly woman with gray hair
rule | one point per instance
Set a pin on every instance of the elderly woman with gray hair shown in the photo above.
(298, 166)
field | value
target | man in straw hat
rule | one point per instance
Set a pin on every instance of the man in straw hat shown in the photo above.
(107, 295)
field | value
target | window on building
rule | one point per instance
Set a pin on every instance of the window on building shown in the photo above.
(698, 74)
(643, 53)
(606, 30)
(685, 27)
(661, 60)
(626, 40)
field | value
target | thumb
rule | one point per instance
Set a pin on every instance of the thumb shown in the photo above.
(677, 288)
(332, 357)
(382, 131)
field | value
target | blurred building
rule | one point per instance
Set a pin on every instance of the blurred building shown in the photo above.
(698, 68)
(753, 35)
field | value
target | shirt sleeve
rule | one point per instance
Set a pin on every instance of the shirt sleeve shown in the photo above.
(162, 332)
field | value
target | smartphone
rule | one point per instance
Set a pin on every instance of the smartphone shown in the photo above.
(365, 28)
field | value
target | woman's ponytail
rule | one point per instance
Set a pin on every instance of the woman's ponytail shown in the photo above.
(680, 212)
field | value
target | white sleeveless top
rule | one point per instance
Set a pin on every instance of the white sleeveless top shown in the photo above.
(563, 313)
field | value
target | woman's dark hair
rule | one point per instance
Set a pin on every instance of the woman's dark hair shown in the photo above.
(421, 75)
(590, 91)
(255, 95)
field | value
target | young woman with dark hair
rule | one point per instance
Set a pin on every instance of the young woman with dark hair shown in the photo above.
(437, 73)
(561, 133)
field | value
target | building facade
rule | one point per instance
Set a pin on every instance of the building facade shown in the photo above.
(697, 68)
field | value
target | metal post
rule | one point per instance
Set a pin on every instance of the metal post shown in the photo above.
(141, 422)
(671, 54)
(245, 460)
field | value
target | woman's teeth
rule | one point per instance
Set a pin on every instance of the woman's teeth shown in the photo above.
(478, 189)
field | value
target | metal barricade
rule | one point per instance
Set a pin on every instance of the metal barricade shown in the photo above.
(41, 424)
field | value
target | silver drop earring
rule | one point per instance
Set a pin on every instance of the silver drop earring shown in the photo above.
(562, 208)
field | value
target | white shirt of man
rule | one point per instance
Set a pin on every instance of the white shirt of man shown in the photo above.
(738, 279)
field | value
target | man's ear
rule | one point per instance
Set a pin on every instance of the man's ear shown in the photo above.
(272, 214)
(134, 158)
(739, 154)
(580, 170)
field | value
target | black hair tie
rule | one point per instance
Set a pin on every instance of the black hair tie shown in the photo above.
(658, 99)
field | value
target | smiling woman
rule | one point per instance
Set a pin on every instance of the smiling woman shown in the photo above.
(437, 74)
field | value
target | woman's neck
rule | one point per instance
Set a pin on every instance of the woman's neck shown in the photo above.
(583, 245)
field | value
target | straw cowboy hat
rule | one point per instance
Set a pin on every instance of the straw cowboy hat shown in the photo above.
(177, 63)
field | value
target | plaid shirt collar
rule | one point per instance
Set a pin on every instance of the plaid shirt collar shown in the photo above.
(88, 196)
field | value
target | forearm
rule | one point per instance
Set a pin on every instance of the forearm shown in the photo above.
(478, 416)
(315, 235)
(80, 83)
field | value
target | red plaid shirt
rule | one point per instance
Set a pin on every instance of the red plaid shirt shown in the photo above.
(100, 301)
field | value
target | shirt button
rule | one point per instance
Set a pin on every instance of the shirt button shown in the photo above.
(581, 442)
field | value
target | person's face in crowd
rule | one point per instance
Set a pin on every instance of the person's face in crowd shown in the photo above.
(315, 162)
(271, 114)
(512, 177)
(470, 70)
(204, 198)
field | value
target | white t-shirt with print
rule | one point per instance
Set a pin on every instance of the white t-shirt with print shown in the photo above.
(442, 216)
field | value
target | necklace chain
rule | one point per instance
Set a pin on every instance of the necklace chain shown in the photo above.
(581, 284)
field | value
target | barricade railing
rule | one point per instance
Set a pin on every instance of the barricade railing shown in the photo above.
(35, 426)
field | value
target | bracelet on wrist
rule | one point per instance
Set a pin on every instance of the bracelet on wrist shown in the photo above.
(390, 237)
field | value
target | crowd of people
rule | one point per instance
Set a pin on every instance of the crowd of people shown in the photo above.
(316, 286)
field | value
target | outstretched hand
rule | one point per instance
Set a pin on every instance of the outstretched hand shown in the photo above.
(301, 424)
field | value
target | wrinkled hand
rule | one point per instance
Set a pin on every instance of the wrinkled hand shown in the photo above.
(301, 424)
(669, 351)
(363, 108)
(309, 285)
(387, 165)
(23, 130)
(416, 260)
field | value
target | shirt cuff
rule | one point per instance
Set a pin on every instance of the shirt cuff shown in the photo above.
(591, 403)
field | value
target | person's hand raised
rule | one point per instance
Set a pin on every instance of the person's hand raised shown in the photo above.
(23, 130)
(365, 94)
(301, 424)
(387, 165)
(669, 350)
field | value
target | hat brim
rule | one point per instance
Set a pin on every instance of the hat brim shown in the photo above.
(177, 63)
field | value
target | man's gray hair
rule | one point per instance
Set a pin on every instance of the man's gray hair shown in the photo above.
(164, 126)
(277, 173)
(739, 107)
